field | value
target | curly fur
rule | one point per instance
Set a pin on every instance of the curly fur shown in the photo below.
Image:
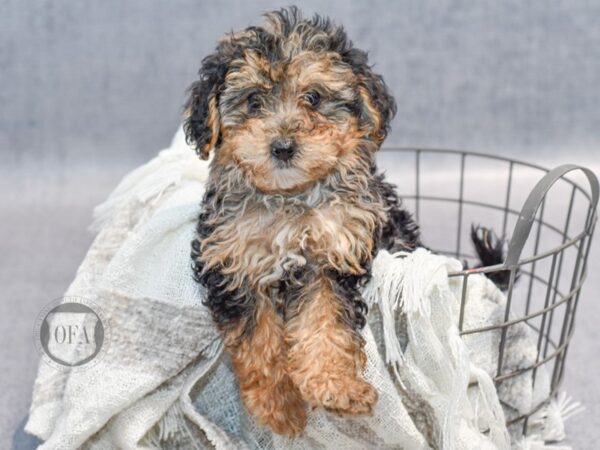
(284, 247)
(490, 251)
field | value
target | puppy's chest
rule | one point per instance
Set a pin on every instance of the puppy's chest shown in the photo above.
(265, 245)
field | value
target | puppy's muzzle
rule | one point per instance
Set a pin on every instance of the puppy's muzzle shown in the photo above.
(283, 149)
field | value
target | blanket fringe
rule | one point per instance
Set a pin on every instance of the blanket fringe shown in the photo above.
(406, 282)
(171, 427)
(392, 291)
(551, 419)
(172, 423)
(566, 406)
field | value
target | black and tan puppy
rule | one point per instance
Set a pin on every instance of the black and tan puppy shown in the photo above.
(294, 211)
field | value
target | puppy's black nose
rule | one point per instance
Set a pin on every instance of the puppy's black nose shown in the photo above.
(283, 148)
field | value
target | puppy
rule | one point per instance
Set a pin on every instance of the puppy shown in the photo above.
(294, 211)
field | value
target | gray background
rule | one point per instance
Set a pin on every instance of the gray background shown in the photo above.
(89, 90)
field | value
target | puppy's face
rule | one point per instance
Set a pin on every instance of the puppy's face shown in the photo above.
(290, 123)
(289, 104)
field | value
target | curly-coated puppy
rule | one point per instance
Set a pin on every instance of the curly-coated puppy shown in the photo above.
(294, 211)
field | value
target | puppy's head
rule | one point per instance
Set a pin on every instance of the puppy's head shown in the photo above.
(288, 104)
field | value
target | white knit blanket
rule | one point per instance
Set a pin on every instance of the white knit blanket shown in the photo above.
(164, 381)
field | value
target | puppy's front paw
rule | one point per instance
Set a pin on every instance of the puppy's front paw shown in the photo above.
(289, 415)
(343, 396)
(280, 407)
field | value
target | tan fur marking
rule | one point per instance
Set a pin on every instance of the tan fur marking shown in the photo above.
(324, 145)
(266, 389)
(309, 68)
(317, 211)
(373, 113)
(252, 70)
(325, 357)
(252, 248)
(213, 123)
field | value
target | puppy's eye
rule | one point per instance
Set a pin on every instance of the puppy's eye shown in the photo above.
(313, 99)
(254, 103)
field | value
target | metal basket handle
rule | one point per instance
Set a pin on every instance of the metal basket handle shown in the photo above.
(533, 202)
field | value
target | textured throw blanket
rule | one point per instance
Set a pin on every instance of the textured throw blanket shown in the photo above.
(163, 380)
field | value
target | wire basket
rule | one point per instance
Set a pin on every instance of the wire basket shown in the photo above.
(553, 229)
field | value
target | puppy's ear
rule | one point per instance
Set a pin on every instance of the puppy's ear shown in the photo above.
(377, 106)
(201, 116)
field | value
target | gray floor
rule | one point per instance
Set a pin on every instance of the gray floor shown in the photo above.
(43, 238)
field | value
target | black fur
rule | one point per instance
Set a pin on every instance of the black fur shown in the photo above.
(401, 232)
(333, 38)
(490, 251)
(212, 75)
(398, 233)
(227, 305)
(348, 288)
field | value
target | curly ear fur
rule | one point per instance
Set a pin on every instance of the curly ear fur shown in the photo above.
(378, 106)
(201, 116)
(202, 122)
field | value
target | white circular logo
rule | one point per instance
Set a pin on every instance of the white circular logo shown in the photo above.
(70, 332)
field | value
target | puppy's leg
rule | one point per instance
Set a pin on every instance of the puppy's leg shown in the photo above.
(325, 354)
(259, 362)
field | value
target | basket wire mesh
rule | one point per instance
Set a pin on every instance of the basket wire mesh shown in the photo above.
(544, 286)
